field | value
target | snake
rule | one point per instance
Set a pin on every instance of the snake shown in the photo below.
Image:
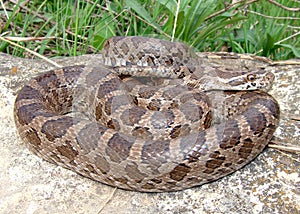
(148, 116)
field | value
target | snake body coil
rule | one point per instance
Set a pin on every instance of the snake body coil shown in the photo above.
(179, 128)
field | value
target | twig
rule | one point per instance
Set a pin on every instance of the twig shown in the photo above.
(51, 21)
(2, 5)
(175, 21)
(285, 148)
(108, 200)
(288, 155)
(229, 7)
(287, 62)
(294, 116)
(277, 43)
(162, 32)
(26, 39)
(289, 26)
(287, 38)
(32, 52)
(113, 19)
(272, 17)
(100, 6)
(284, 7)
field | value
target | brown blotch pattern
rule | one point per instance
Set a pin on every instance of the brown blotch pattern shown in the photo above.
(93, 77)
(148, 186)
(113, 124)
(71, 74)
(154, 105)
(132, 116)
(27, 113)
(107, 110)
(146, 93)
(47, 79)
(272, 106)
(118, 148)
(248, 95)
(196, 154)
(57, 128)
(207, 120)
(256, 120)
(229, 134)
(192, 111)
(68, 151)
(28, 93)
(166, 116)
(156, 180)
(180, 130)
(214, 162)
(170, 93)
(156, 153)
(53, 89)
(142, 132)
(179, 172)
(89, 169)
(108, 86)
(33, 137)
(102, 164)
(98, 111)
(134, 173)
(246, 148)
(124, 48)
(121, 180)
(175, 132)
(91, 133)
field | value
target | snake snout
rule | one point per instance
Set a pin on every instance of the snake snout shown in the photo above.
(269, 77)
(267, 81)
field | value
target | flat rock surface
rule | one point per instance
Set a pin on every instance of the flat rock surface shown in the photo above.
(269, 184)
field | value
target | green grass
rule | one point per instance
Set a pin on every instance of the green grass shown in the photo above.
(69, 27)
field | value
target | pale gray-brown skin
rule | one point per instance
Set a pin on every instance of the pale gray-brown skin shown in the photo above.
(190, 133)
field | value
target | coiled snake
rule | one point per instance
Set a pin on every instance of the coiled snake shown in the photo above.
(147, 117)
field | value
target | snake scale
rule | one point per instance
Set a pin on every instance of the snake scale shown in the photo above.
(148, 116)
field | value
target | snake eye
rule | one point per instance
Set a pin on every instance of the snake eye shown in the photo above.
(251, 77)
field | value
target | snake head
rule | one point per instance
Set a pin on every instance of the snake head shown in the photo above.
(252, 81)
(217, 79)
